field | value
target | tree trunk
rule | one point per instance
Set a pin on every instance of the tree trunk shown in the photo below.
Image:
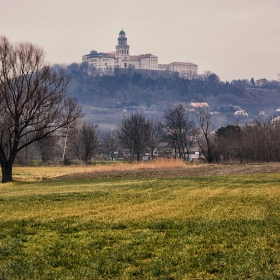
(7, 167)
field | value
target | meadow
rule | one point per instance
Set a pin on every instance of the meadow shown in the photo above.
(147, 221)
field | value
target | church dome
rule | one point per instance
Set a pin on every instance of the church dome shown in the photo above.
(122, 32)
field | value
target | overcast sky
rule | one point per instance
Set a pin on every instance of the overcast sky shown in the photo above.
(236, 39)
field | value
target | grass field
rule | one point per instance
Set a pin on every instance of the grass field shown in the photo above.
(141, 222)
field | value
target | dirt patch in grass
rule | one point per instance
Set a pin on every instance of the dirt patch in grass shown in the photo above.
(179, 171)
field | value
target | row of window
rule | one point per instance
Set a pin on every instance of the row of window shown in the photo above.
(104, 59)
(122, 51)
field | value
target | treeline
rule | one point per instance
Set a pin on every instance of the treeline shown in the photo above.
(256, 142)
(134, 137)
(137, 137)
(136, 89)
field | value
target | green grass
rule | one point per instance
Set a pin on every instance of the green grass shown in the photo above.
(222, 227)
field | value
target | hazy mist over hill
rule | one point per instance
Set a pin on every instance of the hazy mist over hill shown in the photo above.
(106, 99)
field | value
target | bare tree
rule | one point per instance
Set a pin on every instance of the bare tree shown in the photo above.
(110, 144)
(206, 142)
(47, 147)
(33, 101)
(210, 77)
(155, 136)
(179, 129)
(260, 141)
(89, 140)
(73, 145)
(132, 133)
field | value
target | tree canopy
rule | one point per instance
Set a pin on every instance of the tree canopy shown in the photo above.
(33, 100)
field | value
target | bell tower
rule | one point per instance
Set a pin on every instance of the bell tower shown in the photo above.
(122, 51)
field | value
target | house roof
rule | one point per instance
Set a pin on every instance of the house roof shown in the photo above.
(134, 57)
(199, 104)
(95, 54)
(141, 56)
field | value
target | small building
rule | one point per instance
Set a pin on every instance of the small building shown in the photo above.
(199, 104)
(193, 155)
(261, 82)
(241, 113)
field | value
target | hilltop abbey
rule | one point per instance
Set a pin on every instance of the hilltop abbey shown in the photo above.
(121, 58)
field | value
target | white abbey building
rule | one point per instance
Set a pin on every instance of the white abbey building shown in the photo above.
(121, 58)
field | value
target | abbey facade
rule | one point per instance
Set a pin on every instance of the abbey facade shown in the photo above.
(121, 58)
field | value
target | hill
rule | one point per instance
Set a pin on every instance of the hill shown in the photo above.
(107, 98)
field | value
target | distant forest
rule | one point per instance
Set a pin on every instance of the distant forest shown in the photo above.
(130, 90)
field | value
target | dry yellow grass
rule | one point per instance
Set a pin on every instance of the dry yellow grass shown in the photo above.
(156, 164)
(154, 169)
(48, 172)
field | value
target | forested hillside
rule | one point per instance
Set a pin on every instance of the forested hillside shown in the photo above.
(107, 98)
